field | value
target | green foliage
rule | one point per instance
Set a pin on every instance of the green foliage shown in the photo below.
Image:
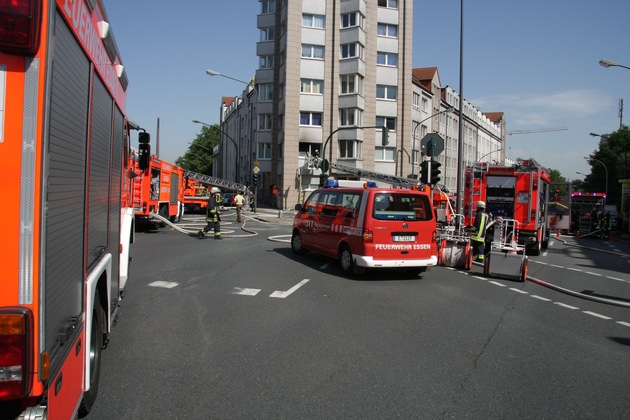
(612, 159)
(198, 157)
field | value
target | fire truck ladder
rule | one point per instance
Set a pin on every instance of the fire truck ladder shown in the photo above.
(217, 182)
(314, 161)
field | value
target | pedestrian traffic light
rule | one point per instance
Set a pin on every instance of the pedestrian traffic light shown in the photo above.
(424, 172)
(385, 136)
(322, 179)
(255, 180)
(435, 172)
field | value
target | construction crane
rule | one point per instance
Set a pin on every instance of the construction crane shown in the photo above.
(536, 130)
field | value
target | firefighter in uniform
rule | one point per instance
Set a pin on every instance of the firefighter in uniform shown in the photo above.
(478, 231)
(212, 214)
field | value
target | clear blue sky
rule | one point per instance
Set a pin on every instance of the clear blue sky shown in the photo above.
(535, 60)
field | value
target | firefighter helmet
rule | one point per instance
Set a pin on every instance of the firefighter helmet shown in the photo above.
(481, 205)
(215, 190)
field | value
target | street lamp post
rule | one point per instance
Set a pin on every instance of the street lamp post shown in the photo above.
(489, 153)
(607, 63)
(236, 148)
(606, 171)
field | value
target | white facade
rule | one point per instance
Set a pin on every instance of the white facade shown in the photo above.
(330, 72)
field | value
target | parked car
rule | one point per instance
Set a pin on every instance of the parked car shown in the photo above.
(228, 199)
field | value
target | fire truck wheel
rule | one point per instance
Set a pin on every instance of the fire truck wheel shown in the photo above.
(345, 260)
(296, 244)
(96, 345)
(534, 249)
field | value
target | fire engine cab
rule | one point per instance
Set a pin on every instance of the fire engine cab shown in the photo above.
(368, 227)
(519, 192)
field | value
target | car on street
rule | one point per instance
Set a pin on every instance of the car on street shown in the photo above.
(228, 199)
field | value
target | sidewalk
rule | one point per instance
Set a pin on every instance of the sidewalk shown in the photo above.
(283, 217)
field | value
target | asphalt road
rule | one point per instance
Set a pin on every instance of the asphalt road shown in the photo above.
(242, 329)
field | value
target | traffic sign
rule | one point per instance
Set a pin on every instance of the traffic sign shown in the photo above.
(432, 140)
(256, 169)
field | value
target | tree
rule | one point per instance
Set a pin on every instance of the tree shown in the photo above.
(614, 152)
(198, 157)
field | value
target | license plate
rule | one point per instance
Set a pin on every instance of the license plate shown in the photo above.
(404, 238)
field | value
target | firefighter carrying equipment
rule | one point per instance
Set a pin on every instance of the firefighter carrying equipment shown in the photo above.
(212, 214)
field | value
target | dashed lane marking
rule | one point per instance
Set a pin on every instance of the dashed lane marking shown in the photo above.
(164, 284)
(245, 291)
(564, 305)
(595, 314)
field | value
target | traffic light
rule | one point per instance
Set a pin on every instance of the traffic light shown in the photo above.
(424, 172)
(144, 151)
(255, 180)
(435, 172)
(324, 166)
(385, 136)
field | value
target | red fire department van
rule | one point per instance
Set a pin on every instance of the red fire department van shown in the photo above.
(368, 227)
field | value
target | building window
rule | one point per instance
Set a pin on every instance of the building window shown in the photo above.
(312, 86)
(386, 92)
(311, 118)
(387, 59)
(350, 149)
(264, 151)
(267, 7)
(390, 4)
(351, 83)
(267, 34)
(313, 21)
(350, 117)
(425, 105)
(350, 20)
(264, 122)
(265, 92)
(384, 153)
(353, 50)
(313, 51)
(389, 122)
(266, 62)
(387, 30)
(313, 149)
(416, 100)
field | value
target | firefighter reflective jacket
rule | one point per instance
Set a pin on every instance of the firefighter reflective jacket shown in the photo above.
(479, 226)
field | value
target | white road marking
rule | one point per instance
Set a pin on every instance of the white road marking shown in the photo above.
(625, 324)
(519, 291)
(282, 295)
(245, 291)
(163, 284)
(564, 305)
(556, 266)
(593, 274)
(595, 314)
(541, 298)
(497, 283)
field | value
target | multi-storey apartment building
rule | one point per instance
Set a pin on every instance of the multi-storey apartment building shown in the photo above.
(331, 74)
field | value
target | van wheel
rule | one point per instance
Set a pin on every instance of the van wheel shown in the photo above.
(345, 261)
(296, 244)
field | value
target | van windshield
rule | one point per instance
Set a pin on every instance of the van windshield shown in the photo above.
(401, 206)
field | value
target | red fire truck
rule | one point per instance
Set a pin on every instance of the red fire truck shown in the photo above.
(195, 195)
(519, 192)
(64, 150)
(158, 190)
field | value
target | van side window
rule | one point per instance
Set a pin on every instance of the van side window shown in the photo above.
(350, 203)
(330, 205)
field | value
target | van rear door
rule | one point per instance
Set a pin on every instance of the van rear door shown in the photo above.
(403, 226)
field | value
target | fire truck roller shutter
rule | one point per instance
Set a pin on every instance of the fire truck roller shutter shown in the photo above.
(64, 187)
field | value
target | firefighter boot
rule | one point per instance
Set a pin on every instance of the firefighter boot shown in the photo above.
(201, 234)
